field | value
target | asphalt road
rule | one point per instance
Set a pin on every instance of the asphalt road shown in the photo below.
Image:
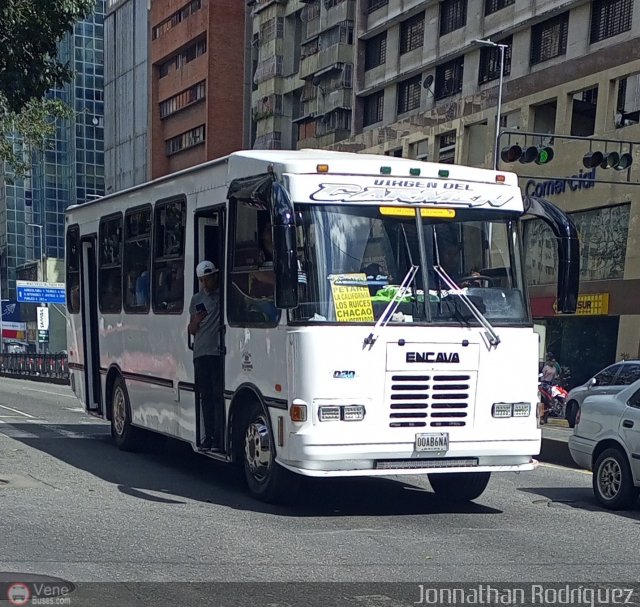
(74, 507)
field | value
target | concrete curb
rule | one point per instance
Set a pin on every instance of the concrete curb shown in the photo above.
(40, 378)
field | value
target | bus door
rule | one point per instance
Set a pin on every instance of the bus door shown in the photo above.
(90, 335)
(210, 245)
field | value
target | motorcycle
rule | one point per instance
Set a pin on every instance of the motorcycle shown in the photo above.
(554, 401)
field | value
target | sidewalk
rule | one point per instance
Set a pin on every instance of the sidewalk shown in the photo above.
(555, 448)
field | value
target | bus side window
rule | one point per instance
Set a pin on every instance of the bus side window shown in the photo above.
(110, 266)
(168, 257)
(252, 280)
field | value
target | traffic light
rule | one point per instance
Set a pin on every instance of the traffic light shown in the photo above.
(607, 160)
(515, 153)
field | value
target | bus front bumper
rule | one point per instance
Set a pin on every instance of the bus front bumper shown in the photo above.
(396, 459)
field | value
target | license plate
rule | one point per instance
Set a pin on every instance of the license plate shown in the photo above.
(437, 441)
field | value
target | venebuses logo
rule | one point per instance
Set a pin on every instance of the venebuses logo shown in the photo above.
(26, 589)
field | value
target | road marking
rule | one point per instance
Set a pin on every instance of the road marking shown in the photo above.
(18, 412)
(566, 468)
(51, 393)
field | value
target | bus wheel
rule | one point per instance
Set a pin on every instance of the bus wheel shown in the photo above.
(266, 479)
(123, 433)
(459, 486)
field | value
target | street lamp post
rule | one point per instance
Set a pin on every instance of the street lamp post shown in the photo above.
(502, 47)
(39, 227)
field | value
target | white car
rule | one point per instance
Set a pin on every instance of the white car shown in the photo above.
(606, 439)
(610, 380)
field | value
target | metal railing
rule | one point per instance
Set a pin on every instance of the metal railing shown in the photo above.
(42, 366)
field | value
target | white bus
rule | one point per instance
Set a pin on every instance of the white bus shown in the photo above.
(380, 340)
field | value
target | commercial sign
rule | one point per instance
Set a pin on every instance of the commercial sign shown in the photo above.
(14, 330)
(592, 304)
(589, 304)
(40, 292)
(583, 180)
(43, 318)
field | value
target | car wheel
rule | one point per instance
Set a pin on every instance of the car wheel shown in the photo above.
(266, 479)
(124, 434)
(612, 481)
(572, 413)
(459, 486)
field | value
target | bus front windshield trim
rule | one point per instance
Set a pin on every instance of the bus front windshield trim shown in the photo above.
(352, 259)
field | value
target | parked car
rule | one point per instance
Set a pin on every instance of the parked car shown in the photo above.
(606, 439)
(610, 380)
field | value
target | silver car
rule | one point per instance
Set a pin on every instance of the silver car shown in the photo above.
(608, 381)
(606, 439)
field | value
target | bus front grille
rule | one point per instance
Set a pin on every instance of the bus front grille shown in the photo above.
(433, 400)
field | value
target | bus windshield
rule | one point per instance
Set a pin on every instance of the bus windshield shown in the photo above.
(353, 259)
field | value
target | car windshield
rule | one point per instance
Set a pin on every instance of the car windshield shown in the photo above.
(353, 259)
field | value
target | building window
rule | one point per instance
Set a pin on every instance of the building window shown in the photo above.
(182, 58)
(493, 6)
(170, 22)
(184, 99)
(449, 78)
(110, 265)
(603, 245)
(409, 94)
(412, 33)
(490, 61)
(420, 150)
(549, 39)
(447, 148)
(168, 257)
(610, 18)
(375, 51)
(337, 120)
(628, 103)
(374, 5)
(272, 29)
(453, 15)
(185, 141)
(373, 108)
(137, 259)
(340, 34)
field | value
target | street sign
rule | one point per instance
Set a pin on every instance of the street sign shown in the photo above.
(43, 336)
(43, 318)
(40, 292)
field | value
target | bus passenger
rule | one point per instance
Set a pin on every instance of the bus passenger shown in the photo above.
(207, 364)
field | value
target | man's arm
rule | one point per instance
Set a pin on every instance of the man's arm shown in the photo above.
(194, 322)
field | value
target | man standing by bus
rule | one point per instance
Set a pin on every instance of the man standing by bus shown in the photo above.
(204, 325)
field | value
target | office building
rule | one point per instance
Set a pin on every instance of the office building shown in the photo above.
(197, 50)
(425, 86)
(126, 93)
(69, 170)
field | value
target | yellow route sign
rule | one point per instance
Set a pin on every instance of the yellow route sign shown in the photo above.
(352, 301)
(591, 304)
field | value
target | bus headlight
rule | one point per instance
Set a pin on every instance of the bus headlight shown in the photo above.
(511, 409)
(501, 410)
(521, 409)
(329, 413)
(353, 413)
(345, 413)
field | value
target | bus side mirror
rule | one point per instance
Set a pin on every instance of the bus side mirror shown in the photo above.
(285, 262)
(285, 250)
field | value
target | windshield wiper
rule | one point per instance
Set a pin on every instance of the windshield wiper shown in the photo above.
(454, 289)
(392, 306)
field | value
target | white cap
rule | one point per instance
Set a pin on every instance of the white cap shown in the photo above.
(204, 268)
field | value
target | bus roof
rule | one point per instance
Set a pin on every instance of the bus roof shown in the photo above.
(250, 162)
